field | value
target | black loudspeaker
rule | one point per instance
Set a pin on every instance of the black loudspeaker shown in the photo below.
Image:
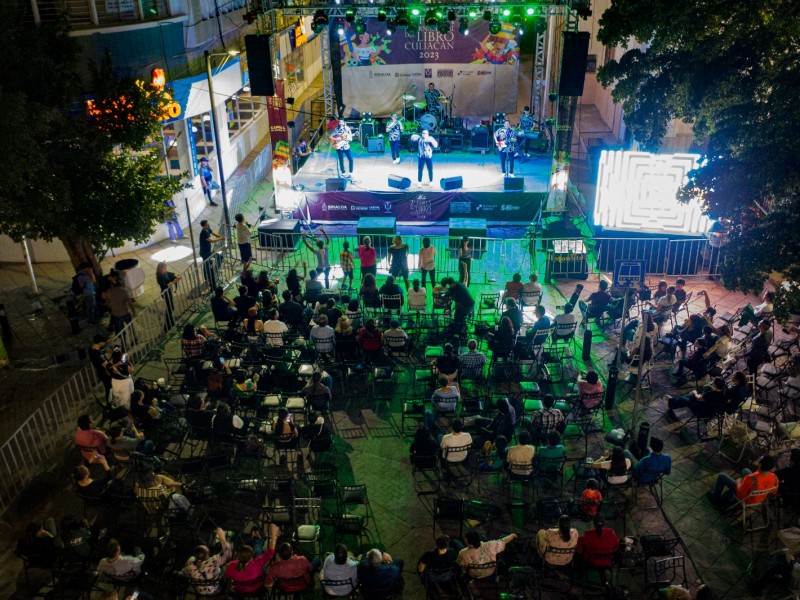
(366, 131)
(587, 344)
(262, 81)
(513, 184)
(375, 145)
(335, 184)
(451, 183)
(573, 63)
(399, 183)
(479, 139)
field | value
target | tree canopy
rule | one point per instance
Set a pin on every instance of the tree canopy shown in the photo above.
(83, 172)
(732, 71)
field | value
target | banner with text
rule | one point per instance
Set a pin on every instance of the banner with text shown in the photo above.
(421, 207)
(478, 71)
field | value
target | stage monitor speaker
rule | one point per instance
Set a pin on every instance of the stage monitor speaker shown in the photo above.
(335, 184)
(279, 233)
(479, 139)
(451, 183)
(262, 81)
(375, 145)
(366, 130)
(398, 182)
(513, 184)
(573, 63)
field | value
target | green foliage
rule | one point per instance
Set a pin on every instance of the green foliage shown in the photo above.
(732, 71)
(69, 173)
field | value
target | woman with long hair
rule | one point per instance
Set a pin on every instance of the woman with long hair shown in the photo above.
(284, 431)
(502, 341)
(252, 325)
(246, 571)
(398, 259)
(293, 283)
(563, 537)
(166, 280)
(369, 291)
(618, 466)
(464, 261)
(427, 261)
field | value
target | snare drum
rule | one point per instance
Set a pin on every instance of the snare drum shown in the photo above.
(428, 121)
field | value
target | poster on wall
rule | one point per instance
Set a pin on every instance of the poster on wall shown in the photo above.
(477, 71)
(120, 6)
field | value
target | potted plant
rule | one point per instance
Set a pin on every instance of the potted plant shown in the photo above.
(787, 303)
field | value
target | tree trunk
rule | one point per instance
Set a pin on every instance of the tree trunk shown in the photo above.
(80, 249)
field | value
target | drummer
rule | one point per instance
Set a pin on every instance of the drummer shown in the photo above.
(526, 122)
(432, 96)
(394, 128)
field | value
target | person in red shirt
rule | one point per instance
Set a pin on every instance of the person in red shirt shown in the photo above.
(88, 437)
(597, 547)
(292, 572)
(728, 491)
(366, 254)
(246, 573)
(514, 287)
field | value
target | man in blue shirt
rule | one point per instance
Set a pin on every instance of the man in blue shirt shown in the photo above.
(207, 238)
(379, 571)
(207, 180)
(655, 464)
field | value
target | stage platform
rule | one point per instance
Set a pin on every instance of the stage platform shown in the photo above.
(369, 194)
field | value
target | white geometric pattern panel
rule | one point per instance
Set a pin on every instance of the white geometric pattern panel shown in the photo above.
(636, 191)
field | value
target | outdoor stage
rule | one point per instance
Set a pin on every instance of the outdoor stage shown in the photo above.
(370, 195)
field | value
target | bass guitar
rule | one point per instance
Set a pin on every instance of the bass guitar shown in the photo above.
(341, 140)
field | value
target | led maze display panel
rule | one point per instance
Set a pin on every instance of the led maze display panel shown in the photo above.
(636, 191)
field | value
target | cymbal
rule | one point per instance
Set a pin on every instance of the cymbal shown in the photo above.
(407, 97)
(419, 105)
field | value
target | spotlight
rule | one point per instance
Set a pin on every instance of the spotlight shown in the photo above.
(463, 26)
(487, 15)
(366, 116)
(381, 15)
(415, 12)
(391, 27)
(451, 15)
(320, 21)
(473, 13)
(444, 27)
(431, 20)
(506, 12)
(361, 26)
(494, 26)
(349, 15)
(516, 18)
(530, 11)
(402, 18)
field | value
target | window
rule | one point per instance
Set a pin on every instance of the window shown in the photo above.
(241, 109)
(203, 134)
(171, 165)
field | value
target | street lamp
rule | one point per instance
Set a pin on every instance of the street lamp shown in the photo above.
(215, 129)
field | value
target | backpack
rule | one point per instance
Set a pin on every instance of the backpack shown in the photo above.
(77, 286)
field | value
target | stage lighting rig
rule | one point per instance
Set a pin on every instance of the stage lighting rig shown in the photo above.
(463, 26)
(444, 27)
(350, 15)
(516, 18)
(431, 20)
(360, 26)
(381, 15)
(451, 15)
(402, 18)
(320, 21)
(494, 26)
(487, 15)
(391, 26)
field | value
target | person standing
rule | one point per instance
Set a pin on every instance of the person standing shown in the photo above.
(166, 279)
(84, 275)
(463, 301)
(394, 128)
(171, 221)
(347, 260)
(321, 252)
(99, 360)
(207, 180)
(526, 122)
(366, 255)
(243, 234)
(464, 261)
(208, 237)
(398, 259)
(432, 96)
(425, 146)
(427, 261)
(301, 153)
(506, 141)
(341, 137)
(120, 303)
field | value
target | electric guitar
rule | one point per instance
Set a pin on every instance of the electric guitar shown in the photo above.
(341, 140)
(506, 143)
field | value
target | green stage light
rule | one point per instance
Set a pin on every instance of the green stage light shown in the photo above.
(381, 15)
(463, 26)
(451, 15)
(473, 13)
(350, 15)
(431, 20)
(530, 11)
(494, 26)
(415, 12)
(361, 26)
(516, 18)
(506, 12)
(487, 15)
(320, 21)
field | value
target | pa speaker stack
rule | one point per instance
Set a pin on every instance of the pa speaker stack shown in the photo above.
(335, 184)
(262, 80)
(451, 183)
(513, 184)
(399, 183)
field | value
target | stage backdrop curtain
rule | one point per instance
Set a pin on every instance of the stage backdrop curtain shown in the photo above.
(479, 69)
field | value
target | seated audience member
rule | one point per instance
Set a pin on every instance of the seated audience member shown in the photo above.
(290, 312)
(789, 480)
(542, 323)
(284, 431)
(438, 565)
(662, 309)
(728, 491)
(514, 287)
(519, 458)
(479, 559)
(457, 439)
(379, 571)
(554, 448)
(711, 402)
(317, 395)
(758, 352)
(492, 457)
(597, 546)
(680, 294)
(318, 434)
(224, 309)
(390, 288)
(124, 445)
(354, 313)
(323, 336)
(151, 485)
(40, 545)
(503, 422)
(654, 464)
(502, 340)
(339, 566)
(292, 572)
(417, 297)
(369, 291)
(244, 388)
(546, 420)
(448, 363)
(94, 489)
(689, 331)
(513, 312)
(472, 361)
(531, 288)
(591, 498)
(371, 340)
(274, 327)
(737, 392)
(344, 328)
(244, 301)
(145, 411)
(446, 397)
(563, 537)
(253, 326)
(441, 296)
(313, 287)
(598, 302)
(590, 390)
(752, 315)
(92, 442)
(76, 536)
(424, 443)
(198, 416)
(225, 426)
(565, 323)
(395, 338)
(202, 566)
(616, 466)
(695, 361)
(332, 311)
(720, 348)
(246, 572)
(780, 568)
(193, 344)
(118, 565)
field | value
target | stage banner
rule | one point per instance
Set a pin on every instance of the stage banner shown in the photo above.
(421, 207)
(276, 114)
(478, 70)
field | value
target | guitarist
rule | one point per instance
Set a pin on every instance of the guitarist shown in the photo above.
(341, 137)
(506, 141)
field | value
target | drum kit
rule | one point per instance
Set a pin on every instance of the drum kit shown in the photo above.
(417, 117)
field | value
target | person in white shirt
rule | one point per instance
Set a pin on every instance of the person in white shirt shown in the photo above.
(565, 322)
(274, 326)
(392, 337)
(532, 286)
(120, 566)
(417, 297)
(427, 261)
(457, 439)
(323, 335)
(519, 458)
(445, 398)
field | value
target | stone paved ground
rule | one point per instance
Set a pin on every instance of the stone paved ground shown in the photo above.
(373, 452)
